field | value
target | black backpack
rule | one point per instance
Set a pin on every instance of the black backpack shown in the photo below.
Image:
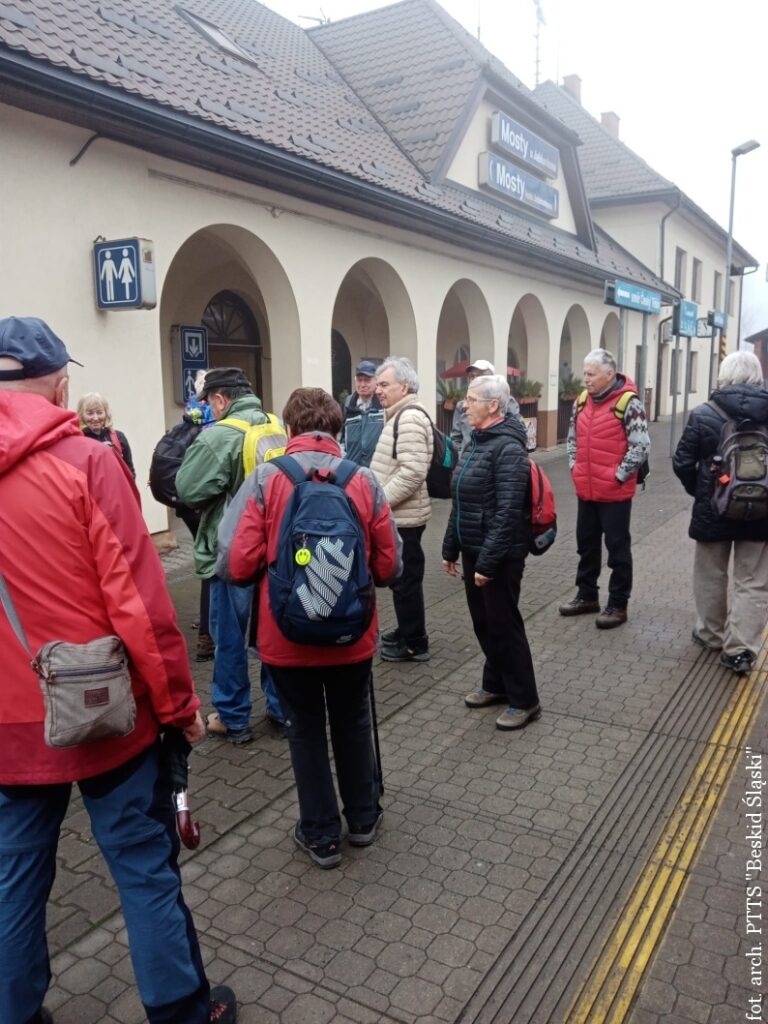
(740, 469)
(444, 457)
(167, 458)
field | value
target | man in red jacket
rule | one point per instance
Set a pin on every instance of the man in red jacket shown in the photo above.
(78, 563)
(607, 444)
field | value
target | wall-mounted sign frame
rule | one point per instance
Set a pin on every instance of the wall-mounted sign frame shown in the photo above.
(527, 148)
(512, 182)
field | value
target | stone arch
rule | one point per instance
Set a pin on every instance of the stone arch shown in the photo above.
(373, 309)
(528, 340)
(575, 343)
(464, 327)
(609, 333)
(227, 258)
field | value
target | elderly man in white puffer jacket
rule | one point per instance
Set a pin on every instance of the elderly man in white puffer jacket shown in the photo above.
(401, 470)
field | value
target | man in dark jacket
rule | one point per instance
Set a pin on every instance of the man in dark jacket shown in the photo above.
(741, 396)
(363, 416)
(95, 572)
(489, 527)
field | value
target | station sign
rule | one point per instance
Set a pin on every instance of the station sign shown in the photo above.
(632, 296)
(124, 274)
(716, 318)
(684, 319)
(524, 145)
(514, 183)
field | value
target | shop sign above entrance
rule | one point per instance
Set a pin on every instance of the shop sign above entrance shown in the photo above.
(190, 354)
(124, 274)
(632, 296)
(514, 183)
(522, 144)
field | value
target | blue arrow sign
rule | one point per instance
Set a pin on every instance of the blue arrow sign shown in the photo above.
(632, 296)
(193, 342)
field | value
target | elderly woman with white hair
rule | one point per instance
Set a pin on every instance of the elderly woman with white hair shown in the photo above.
(736, 632)
(489, 528)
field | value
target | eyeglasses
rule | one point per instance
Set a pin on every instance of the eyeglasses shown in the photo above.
(471, 400)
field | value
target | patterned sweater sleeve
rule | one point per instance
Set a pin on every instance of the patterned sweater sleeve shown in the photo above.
(638, 439)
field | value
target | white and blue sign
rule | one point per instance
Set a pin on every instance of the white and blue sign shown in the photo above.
(193, 350)
(124, 272)
(632, 296)
(684, 319)
(512, 182)
(524, 145)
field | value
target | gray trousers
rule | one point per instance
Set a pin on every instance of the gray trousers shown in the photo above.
(741, 628)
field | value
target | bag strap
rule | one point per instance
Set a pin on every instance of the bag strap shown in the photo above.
(291, 468)
(13, 616)
(398, 414)
(720, 412)
(232, 421)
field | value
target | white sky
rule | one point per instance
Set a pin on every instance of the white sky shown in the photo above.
(686, 77)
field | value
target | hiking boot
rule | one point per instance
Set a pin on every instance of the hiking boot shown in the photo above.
(610, 617)
(325, 852)
(403, 651)
(741, 662)
(578, 606)
(206, 648)
(216, 728)
(390, 637)
(223, 1007)
(482, 699)
(703, 643)
(518, 718)
(364, 836)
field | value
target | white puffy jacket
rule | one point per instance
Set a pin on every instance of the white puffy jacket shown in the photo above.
(404, 478)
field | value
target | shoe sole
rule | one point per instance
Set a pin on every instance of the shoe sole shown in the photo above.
(611, 625)
(513, 728)
(485, 703)
(322, 862)
(580, 611)
(226, 734)
(365, 838)
(397, 657)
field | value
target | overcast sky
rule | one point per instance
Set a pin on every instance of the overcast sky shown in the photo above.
(687, 79)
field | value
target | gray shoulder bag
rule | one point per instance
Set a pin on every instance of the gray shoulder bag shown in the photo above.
(86, 687)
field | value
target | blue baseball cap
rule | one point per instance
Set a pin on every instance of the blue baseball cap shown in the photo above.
(365, 369)
(31, 342)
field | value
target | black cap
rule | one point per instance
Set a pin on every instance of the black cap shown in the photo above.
(224, 378)
(32, 343)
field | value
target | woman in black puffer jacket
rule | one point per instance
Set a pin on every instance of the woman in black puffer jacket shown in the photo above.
(741, 396)
(489, 528)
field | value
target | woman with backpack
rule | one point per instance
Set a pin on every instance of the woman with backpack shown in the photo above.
(740, 403)
(96, 421)
(317, 622)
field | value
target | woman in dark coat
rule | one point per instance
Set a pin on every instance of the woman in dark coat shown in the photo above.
(96, 421)
(489, 528)
(737, 633)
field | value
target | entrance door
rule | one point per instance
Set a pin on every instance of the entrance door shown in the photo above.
(233, 336)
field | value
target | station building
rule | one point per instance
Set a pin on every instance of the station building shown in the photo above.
(380, 185)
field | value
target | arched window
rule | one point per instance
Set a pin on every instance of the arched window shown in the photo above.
(341, 365)
(233, 336)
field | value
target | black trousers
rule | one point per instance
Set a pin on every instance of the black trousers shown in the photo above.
(596, 520)
(408, 590)
(500, 631)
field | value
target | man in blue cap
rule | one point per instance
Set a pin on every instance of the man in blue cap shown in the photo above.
(95, 572)
(363, 416)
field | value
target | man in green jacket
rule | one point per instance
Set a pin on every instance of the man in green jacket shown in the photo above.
(209, 477)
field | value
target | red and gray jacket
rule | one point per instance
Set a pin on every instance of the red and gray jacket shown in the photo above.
(605, 450)
(79, 563)
(248, 537)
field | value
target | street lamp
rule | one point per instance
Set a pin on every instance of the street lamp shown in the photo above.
(745, 147)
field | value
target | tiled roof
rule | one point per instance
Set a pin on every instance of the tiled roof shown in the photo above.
(284, 94)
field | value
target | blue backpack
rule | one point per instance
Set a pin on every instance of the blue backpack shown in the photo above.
(320, 588)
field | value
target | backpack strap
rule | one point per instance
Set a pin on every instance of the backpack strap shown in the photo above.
(343, 473)
(233, 421)
(115, 441)
(291, 468)
(398, 414)
(621, 406)
(581, 401)
(720, 412)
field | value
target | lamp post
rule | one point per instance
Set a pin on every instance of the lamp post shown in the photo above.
(745, 147)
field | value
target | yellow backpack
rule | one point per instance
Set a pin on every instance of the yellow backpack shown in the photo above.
(263, 441)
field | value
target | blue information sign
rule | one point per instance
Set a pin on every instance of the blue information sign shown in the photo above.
(632, 296)
(514, 183)
(716, 318)
(524, 145)
(118, 277)
(193, 343)
(686, 315)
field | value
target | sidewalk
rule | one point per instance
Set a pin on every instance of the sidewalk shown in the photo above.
(509, 866)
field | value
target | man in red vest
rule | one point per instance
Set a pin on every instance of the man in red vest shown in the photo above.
(608, 442)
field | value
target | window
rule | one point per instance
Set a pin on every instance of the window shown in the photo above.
(217, 36)
(717, 291)
(693, 370)
(681, 268)
(696, 281)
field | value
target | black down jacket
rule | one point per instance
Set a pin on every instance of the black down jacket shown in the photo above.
(695, 452)
(490, 515)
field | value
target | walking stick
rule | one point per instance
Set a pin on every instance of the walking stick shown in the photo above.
(375, 724)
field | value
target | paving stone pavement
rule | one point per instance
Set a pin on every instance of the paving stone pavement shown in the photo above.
(504, 859)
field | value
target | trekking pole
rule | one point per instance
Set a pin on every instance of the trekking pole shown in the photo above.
(375, 724)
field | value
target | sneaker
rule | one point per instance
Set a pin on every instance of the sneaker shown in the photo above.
(518, 718)
(703, 643)
(401, 651)
(364, 836)
(390, 637)
(610, 617)
(578, 606)
(325, 854)
(482, 698)
(741, 662)
(206, 649)
(216, 728)
(223, 1008)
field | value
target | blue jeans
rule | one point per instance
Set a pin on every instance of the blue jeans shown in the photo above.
(345, 690)
(231, 687)
(133, 822)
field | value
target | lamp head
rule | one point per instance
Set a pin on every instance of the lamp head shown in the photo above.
(745, 147)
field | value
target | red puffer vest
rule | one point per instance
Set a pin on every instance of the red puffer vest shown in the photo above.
(601, 444)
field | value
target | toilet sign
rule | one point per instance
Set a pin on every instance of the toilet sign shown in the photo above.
(124, 274)
(190, 354)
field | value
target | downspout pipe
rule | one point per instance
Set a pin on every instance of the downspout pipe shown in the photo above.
(662, 230)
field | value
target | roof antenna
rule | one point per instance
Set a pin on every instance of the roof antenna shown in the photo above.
(539, 22)
(479, 5)
(322, 20)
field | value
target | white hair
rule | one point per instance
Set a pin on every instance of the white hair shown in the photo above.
(740, 368)
(403, 371)
(601, 356)
(493, 387)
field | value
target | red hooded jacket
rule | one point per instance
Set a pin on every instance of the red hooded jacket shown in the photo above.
(79, 563)
(248, 537)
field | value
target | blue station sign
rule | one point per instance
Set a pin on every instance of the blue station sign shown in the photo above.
(632, 296)
(524, 145)
(716, 318)
(512, 182)
(685, 318)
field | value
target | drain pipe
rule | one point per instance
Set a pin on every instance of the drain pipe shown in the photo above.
(662, 231)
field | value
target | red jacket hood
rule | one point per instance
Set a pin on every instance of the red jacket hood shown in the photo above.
(28, 423)
(314, 441)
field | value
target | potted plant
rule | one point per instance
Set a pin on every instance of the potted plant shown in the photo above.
(527, 392)
(570, 388)
(450, 393)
